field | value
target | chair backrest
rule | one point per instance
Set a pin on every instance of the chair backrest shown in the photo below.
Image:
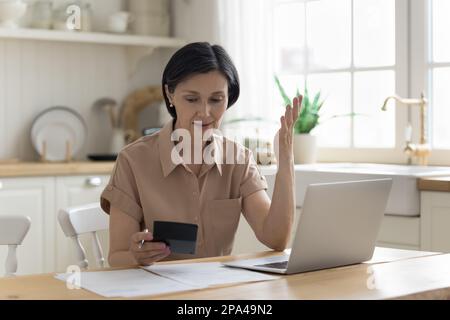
(13, 230)
(79, 220)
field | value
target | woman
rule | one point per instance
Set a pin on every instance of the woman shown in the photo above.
(199, 84)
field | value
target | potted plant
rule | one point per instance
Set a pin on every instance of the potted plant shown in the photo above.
(305, 143)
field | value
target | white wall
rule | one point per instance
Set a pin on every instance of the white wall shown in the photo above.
(195, 20)
(35, 75)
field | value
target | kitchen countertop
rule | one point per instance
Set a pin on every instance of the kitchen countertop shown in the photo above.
(37, 169)
(434, 184)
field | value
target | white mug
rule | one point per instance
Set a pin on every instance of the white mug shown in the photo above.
(118, 22)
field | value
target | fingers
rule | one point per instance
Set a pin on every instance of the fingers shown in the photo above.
(297, 107)
(147, 257)
(149, 254)
(283, 123)
(147, 246)
(292, 113)
(288, 116)
(139, 236)
(150, 261)
(150, 246)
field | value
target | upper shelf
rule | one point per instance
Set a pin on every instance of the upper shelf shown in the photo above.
(137, 46)
(91, 37)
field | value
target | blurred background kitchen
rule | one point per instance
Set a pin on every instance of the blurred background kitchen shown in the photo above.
(81, 79)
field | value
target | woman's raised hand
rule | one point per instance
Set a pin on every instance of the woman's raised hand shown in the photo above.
(284, 138)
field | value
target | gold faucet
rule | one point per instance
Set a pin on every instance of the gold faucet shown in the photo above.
(422, 150)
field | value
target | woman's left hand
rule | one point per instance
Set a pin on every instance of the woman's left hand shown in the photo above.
(284, 138)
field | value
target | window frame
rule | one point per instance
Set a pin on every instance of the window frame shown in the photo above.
(413, 76)
(383, 155)
(421, 67)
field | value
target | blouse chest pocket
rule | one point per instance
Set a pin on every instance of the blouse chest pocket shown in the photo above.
(224, 216)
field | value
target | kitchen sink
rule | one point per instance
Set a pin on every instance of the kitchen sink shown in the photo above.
(404, 199)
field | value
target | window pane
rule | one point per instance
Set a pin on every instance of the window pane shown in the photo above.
(336, 90)
(374, 32)
(441, 108)
(289, 37)
(329, 33)
(376, 129)
(441, 27)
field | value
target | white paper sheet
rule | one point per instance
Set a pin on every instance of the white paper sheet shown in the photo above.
(207, 274)
(127, 283)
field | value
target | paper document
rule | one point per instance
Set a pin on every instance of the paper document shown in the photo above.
(207, 274)
(127, 283)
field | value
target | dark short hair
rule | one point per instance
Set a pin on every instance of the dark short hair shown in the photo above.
(197, 58)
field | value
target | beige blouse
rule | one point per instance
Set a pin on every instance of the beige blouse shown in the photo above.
(147, 185)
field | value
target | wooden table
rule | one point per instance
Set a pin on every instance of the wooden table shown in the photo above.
(426, 276)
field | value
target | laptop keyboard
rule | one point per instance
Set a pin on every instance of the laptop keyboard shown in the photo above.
(276, 265)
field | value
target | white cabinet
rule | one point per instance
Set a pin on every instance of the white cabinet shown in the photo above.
(33, 197)
(46, 248)
(400, 232)
(75, 191)
(435, 228)
(395, 232)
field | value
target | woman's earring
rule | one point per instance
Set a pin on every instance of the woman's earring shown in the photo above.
(171, 105)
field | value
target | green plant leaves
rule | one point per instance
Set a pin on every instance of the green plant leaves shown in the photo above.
(309, 114)
(285, 97)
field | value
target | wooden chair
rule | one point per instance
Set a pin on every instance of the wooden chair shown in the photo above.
(79, 220)
(13, 230)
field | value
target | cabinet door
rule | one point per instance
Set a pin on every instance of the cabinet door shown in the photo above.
(74, 191)
(33, 197)
(435, 214)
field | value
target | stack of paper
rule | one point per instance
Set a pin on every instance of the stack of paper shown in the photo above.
(162, 279)
(126, 283)
(207, 274)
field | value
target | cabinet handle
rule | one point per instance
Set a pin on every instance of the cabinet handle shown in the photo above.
(94, 182)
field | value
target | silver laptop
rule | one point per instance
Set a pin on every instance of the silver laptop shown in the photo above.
(338, 226)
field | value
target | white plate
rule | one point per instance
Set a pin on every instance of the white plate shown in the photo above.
(57, 126)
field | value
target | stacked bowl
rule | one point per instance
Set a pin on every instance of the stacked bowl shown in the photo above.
(10, 13)
(150, 17)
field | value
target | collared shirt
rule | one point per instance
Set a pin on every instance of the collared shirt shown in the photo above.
(147, 185)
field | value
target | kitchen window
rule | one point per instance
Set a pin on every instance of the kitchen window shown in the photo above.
(356, 52)
(347, 49)
(439, 72)
(429, 69)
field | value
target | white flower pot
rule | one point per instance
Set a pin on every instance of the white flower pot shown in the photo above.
(305, 148)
